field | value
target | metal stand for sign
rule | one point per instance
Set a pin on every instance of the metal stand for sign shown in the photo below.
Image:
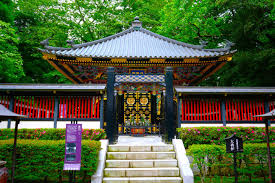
(235, 167)
(72, 178)
(72, 173)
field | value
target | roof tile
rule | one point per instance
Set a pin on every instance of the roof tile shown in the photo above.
(137, 44)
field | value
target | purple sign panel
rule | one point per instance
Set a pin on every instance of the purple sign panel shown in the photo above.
(72, 159)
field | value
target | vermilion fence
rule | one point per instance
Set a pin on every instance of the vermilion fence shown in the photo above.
(5, 100)
(200, 109)
(44, 107)
(79, 107)
(244, 110)
(34, 106)
(236, 109)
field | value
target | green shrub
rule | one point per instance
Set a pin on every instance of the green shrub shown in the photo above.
(212, 160)
(44, 159)
(50, 134)
(216, 135)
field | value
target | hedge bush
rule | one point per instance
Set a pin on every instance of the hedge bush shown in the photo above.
(216, 135)
(43, 160)
(212, 160)
(50, 134)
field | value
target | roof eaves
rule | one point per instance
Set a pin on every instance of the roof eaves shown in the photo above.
(51, 48)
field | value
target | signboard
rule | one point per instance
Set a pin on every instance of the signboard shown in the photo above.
(234, 144)
(72, 159)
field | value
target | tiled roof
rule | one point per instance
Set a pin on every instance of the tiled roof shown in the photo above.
(224, 90)
(47, 87)
(137, 43)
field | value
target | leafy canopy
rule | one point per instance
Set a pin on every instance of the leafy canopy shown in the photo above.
(249, 24)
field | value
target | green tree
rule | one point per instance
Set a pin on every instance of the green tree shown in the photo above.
(149, 12)
(191, 21)
(37, 20)
(6, 15)
(10, 59)
(249, 24)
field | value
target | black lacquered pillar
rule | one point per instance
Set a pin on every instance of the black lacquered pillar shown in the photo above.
(169, 109)
(110, 116)
(154, 109)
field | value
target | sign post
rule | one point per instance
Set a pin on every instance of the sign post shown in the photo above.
(72, 160)
(234, 145)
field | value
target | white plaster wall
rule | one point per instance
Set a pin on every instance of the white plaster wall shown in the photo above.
(49, 124)
(96, 124)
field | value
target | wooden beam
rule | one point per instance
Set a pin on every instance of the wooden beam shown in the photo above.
(208, 75)
(71, 71)
(62, 72)
(204, 70)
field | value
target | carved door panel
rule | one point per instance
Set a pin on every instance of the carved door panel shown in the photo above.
(137, 105)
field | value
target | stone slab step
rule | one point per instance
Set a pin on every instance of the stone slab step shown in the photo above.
(141, 172)
(147, 140)
(140, 148)
(142, 180)
(140, 155)
(141, 163)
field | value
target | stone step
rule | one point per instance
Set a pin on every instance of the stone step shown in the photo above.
(140, 155)
(141, 163)
(142, 180)
(147, 140)
(141, 172)
(140, 148)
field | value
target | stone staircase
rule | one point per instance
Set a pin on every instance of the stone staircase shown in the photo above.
(141, 163)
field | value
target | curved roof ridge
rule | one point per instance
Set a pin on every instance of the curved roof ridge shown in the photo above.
(200, 47)
(104, 39)
(171, 40)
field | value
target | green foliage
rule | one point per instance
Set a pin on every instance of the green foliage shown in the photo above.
(50, 134)
(227, 179)
(37, 20)
(249, 69)
(149, 12)
(6, 15)
(10, 59)
(247, 23)
(212, 160)
(190, 21)
(44, 159)
(216, 135)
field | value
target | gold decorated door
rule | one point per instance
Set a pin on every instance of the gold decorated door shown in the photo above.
(137, 108)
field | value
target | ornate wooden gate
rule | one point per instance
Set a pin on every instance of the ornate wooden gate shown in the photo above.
(137, 108)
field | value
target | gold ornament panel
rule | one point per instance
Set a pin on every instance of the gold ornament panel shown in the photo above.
(137, 106)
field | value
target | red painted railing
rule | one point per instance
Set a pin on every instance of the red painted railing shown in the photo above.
(209, 109)
(79, 107)
(37, 107)
(244, 109)
(5, 100)
(200, 109)
(34, 106)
